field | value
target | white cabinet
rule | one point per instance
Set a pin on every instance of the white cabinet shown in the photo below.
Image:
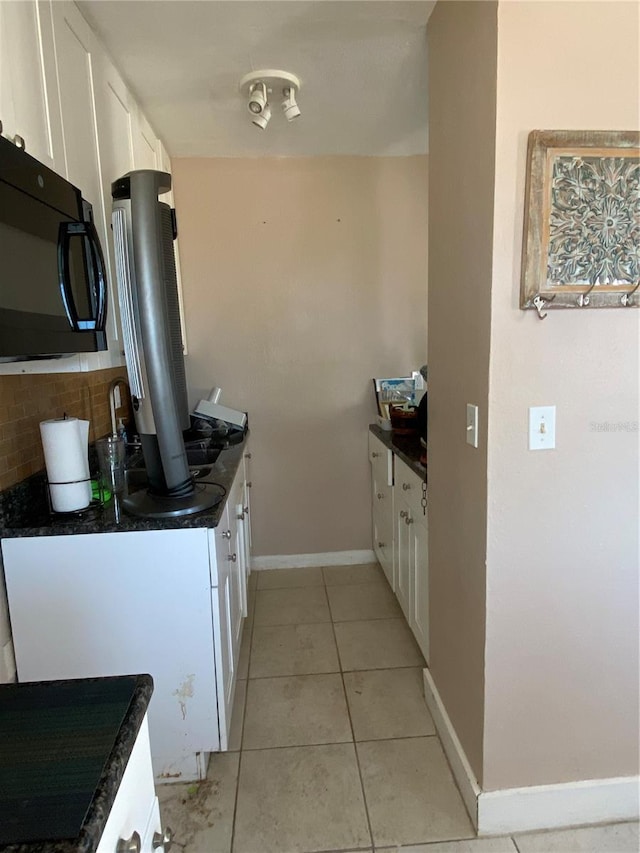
(61, 93)
(29, 104)
(382, 507)
(164, 602)
(400, 535)
(135, 808)
(411, 552)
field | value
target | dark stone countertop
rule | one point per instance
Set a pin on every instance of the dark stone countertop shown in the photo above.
(24, 508)
(407, 447)
(66, 743)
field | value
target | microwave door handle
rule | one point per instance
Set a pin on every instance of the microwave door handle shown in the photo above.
(86, 231)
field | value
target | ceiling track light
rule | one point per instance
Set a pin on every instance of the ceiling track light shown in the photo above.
(289, 105)
(257, 98)
(259, 85)
(262, 120)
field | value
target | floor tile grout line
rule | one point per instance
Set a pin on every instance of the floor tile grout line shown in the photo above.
(330, 743)
(333, 672)
(353, 735)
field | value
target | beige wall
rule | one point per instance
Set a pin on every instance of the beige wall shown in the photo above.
(462, 83)
(562, 558)
(303, 279)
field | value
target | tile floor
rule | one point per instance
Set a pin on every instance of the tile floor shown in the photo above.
(332, 746)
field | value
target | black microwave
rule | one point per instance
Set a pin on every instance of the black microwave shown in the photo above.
(53, 289)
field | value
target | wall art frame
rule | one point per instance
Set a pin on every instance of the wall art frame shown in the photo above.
(581, 241)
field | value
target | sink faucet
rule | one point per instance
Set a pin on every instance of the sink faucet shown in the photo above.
(119, 380)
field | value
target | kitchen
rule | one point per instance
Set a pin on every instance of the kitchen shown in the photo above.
(377, 199)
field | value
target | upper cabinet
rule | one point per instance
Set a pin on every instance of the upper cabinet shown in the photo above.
(145, 145)
(61, 93)
(29, 104)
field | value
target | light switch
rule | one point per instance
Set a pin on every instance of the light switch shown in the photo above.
(542, 427)
(472, 425)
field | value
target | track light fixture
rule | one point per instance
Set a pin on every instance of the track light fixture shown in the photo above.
(262, 120)
(259, 85)
(257, 98)
(289, 105)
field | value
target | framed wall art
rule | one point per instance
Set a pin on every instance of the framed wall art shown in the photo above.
(581, 245)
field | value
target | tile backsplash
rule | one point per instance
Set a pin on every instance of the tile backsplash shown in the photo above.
(25, 400)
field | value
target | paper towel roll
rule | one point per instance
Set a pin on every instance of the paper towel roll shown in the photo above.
(65, 443)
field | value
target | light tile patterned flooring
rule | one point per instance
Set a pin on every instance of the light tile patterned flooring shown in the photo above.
(332, 746)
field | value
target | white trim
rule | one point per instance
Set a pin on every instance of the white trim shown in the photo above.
(308, 561)
(552, 806)
(512, 810)
(460, 767)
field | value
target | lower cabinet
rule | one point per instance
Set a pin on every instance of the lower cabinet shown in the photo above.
(381, 460)
(165, 602)
(400, 531)
(135, 810)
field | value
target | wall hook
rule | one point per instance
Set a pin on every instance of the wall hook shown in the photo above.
(539, 303)
(627, 298)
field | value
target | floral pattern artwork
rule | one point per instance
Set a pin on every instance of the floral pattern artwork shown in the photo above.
(594, 221)
(581, 246)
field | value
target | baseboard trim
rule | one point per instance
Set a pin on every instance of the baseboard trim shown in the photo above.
(458, 761)
(532, 808)
(309, 561)
(553, 806)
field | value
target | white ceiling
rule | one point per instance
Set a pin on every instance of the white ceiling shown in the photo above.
(362, 65)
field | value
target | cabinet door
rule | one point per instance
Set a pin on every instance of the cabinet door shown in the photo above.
(29, 102)
(76, 47)
(381, 460)
(114, 119)
(135, 802)
(419, 577)
(117, 604)
(246, 462)
(145, 142)
(402, 552)
(223, 632)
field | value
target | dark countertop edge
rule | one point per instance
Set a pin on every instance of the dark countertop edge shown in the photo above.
(110, 779)
(222, 473)
(407, 447)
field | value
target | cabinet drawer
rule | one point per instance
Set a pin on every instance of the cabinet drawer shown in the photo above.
(409, 485)
(381, 459)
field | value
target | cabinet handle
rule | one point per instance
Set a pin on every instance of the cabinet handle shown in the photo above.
(381, 545)
(405, 487)
(375, 455)
(233, 557)
(380, 496)
(226, 534)
(240, 517)
(19, 142)
(247, 456)
(403, 513)
(163, 839)
(129, 845)
(408, 520)
(249, 484)
(245, 510)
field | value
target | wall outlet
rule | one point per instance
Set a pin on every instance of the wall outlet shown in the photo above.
(542, 427)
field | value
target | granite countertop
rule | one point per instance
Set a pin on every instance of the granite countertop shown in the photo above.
(407, 447)
(24, 508)
(64, 747)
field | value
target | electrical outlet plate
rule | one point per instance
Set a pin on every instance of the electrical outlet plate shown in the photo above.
(542, 428)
